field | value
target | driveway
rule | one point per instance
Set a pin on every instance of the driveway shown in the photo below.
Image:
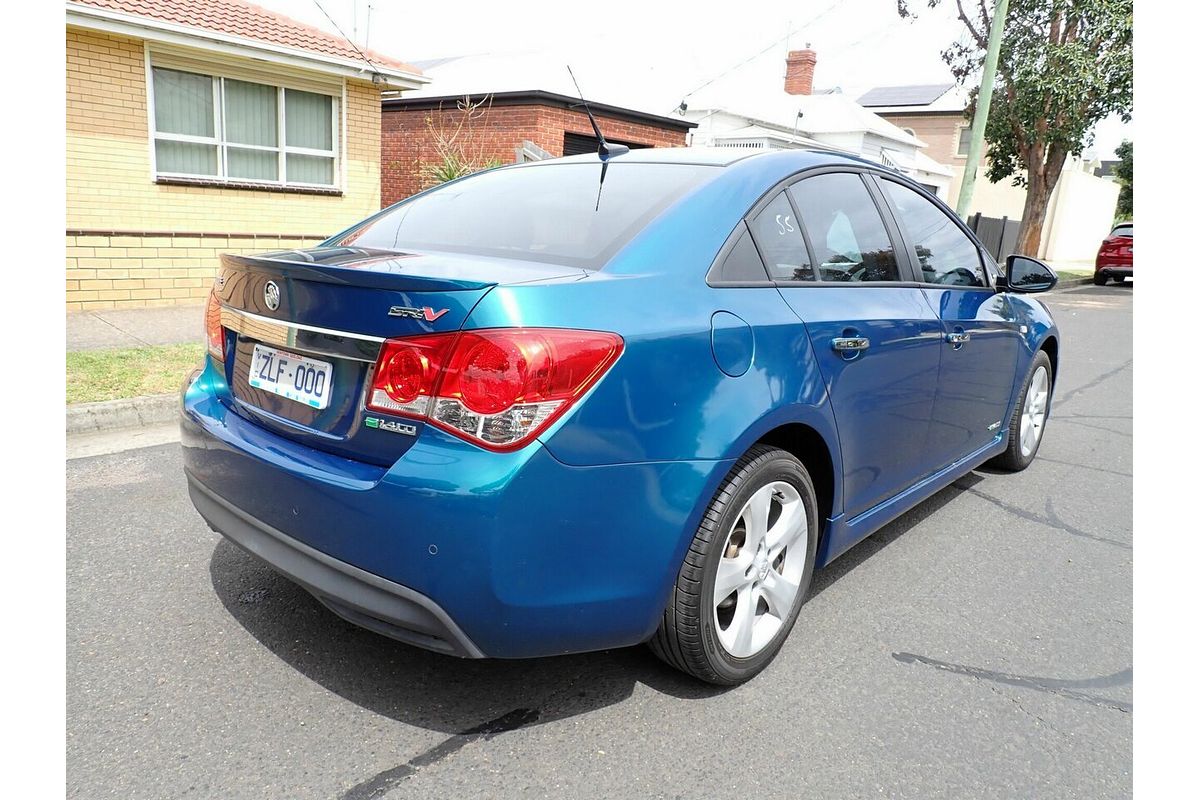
(980, 646)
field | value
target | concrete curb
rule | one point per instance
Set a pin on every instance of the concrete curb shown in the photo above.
(133, 412)
(1071, 283)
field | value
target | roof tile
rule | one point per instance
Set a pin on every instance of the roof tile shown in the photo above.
(239, 18)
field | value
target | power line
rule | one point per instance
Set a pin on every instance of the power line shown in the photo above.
(344, 36)
(367, 41)
(766, 49)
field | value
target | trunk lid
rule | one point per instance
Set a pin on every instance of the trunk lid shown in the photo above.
(322, 314)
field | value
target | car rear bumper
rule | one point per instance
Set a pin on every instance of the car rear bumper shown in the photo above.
(365, 599)
(452, 548)
(1115, 270)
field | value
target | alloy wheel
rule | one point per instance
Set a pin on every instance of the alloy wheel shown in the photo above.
(1033, 414)
(761, 567)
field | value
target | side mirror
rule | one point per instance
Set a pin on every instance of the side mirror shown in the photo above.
(1028, 275)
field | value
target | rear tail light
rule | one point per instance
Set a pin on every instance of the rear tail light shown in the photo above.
(212, 328)
(497, 387)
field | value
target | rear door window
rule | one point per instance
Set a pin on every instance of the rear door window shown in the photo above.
(847, 234)
(945, 254)
(781, 242)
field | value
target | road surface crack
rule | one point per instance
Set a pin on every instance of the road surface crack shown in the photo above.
(1050, 519)
(1066, 397)
(386, 781)
(1071, 689)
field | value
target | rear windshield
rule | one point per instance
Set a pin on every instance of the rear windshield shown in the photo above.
(547, 212)
(1123, 230)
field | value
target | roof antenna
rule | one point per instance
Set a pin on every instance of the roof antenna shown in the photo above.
(605, 151)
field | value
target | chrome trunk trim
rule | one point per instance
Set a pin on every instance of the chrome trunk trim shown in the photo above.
(305, 338)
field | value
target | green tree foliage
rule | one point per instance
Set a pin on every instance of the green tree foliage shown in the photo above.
(1064, 66)
(1124, 172)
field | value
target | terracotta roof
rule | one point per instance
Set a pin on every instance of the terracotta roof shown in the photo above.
(239, 18)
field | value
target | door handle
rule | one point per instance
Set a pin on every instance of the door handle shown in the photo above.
(958, 338)
(851, 343)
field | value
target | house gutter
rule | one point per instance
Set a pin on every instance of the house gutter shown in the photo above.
(541, 98)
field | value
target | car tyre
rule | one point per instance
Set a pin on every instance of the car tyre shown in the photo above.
(705, 636)
(1099, 279)
(1032, 411)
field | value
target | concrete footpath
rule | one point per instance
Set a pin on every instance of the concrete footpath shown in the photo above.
(134, 327)
(115, 425)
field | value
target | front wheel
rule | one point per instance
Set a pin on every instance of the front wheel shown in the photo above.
(746, 573)
(1029, 417)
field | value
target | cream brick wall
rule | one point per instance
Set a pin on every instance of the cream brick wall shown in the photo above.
(133, 242)
(135, 271)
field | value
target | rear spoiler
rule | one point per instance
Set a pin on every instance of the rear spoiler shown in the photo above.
(354, 266)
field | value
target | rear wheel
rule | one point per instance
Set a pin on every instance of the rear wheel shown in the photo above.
(746, 573)
(1029, 417)
(1099, 279)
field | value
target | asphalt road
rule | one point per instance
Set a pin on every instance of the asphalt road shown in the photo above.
(980, 646)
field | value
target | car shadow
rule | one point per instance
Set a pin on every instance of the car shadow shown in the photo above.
(452, 695)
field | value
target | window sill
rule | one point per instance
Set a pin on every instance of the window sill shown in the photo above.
(218, 183)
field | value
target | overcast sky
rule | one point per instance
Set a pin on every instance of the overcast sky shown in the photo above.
(670, 49)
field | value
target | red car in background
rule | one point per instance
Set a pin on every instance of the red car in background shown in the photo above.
(1115, 259)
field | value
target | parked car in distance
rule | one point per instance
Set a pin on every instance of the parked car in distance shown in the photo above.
(1115, 258)
(568, 406)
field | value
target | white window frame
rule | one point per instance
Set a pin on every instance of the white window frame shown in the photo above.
(223, 144)
(962, 129)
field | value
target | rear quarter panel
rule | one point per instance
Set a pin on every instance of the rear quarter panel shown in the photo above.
(666, 399)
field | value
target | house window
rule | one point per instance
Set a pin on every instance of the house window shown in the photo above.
(964, 141)
(214, 127)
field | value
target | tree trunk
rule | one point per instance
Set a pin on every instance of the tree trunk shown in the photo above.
(1045, 168)
(1037, 198)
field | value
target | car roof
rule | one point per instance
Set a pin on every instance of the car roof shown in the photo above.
(716, 156)
(708, 156)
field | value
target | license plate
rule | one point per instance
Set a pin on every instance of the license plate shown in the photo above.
(293, 376)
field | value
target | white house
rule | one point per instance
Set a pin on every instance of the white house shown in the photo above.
(792, 115)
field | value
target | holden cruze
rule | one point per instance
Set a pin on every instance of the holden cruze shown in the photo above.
(576, 404)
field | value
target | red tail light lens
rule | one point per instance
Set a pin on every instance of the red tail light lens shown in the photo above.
(498, 387)
(213, 330)
(407, 372)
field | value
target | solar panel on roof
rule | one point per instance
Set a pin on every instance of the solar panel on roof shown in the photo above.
(921, 95)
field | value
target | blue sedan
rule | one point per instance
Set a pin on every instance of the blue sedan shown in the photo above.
(575, 405)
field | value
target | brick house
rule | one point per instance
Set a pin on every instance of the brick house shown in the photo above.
(934, 113)
(512, 125)
(196, 127)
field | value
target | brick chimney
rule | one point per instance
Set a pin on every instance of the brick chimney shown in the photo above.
(800, 66)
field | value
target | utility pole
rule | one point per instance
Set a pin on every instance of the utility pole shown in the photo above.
(982, 106)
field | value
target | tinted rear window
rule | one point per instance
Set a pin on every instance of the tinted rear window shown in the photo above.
(543, 213)
(1123, 230)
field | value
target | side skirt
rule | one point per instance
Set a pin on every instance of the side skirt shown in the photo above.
(844, 534)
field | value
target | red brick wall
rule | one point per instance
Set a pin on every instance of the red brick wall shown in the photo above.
(408, 143)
